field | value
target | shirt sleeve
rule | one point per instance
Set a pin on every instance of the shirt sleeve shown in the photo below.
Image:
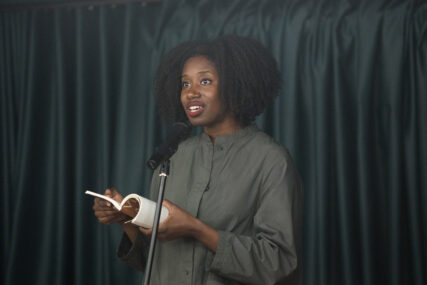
(272, 252)
(134, 254)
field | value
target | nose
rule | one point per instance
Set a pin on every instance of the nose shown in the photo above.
(192, 92)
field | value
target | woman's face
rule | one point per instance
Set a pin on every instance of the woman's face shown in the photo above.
(200, 99)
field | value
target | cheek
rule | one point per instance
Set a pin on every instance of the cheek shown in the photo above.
(218, 105)
(182, 98)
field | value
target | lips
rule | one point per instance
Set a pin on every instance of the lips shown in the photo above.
(194, 109)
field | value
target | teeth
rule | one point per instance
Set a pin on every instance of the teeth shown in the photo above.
(194, 108)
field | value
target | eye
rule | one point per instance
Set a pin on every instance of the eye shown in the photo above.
(205, 81)
(185, 84)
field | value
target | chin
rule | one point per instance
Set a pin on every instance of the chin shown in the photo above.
(195, 122)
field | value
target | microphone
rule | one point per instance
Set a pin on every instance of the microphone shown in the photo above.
(180, 131)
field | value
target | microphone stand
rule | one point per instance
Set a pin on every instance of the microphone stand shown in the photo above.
(164, 172)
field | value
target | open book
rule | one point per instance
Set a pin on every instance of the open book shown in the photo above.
(140, 209)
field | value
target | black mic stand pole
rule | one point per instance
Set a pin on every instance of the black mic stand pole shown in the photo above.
(164, 172)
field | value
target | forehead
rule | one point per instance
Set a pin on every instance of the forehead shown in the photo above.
(198, 64)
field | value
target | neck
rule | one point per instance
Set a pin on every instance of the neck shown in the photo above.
(224, 129)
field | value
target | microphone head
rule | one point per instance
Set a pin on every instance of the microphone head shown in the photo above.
(180, 131)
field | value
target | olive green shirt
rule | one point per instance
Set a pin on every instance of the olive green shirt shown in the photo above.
(246, 187)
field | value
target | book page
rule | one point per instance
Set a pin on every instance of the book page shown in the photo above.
(130, 207)
(140, 209)
(112, 201)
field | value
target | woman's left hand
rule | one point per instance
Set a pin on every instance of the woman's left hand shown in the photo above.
(179, 223)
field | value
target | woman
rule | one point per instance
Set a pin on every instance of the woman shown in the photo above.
(233, 194)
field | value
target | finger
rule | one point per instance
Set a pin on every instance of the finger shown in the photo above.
(120, 219)
(164, 237)
(105, 220)
(113, 192)
(102, 207)
(105, 203)
(112, 219)
(145, 231)
(108, 193)
(106, 214)
(101, 202)
(97, 201)
(116, 195)
(168, 204)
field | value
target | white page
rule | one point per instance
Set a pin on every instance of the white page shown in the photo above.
(115, 203)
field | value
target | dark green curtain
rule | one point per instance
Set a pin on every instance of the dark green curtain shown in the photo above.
(77, 112)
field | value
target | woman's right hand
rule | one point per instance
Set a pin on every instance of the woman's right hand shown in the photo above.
(107, 213)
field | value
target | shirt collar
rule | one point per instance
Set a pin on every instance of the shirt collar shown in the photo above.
(225, 140)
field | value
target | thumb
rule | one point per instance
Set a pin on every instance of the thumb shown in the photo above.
(107, 192)
(168, 204)
(116, 195)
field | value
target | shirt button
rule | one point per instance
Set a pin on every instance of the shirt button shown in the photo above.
(219, 148)
(187, 272)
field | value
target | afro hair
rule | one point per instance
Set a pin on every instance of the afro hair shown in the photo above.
(248, 77)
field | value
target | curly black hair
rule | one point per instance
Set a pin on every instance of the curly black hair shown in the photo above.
(248, 77)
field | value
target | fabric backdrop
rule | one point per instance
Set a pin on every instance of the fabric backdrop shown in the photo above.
(77, 112)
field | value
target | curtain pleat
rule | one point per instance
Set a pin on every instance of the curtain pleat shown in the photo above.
(77, 112)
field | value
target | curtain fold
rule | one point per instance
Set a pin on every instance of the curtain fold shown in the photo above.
(77, 112)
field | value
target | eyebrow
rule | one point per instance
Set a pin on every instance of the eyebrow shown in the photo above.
(200, 72)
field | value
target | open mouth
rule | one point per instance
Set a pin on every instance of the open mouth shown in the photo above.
(194, 109)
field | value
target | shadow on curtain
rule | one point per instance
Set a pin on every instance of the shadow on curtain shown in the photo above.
(77, 113)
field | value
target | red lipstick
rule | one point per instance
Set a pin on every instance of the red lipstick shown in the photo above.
(194, 108)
